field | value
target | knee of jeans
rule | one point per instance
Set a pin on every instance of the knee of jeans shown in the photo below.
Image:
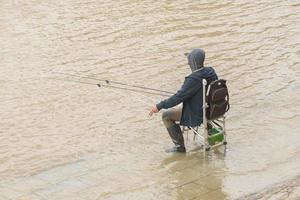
(165, 115)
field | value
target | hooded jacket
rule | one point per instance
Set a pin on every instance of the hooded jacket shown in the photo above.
(191, 91)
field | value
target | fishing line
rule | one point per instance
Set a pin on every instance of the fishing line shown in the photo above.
(138, 99)
(133, 90)
(114, 82)
(74, 81)
(107, 88)
(87, 83)
(110, 86)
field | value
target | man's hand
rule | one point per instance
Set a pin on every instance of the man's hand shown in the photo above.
(153, 110)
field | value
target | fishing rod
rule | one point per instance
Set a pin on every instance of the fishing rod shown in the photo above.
(110, 86)
(115, 82)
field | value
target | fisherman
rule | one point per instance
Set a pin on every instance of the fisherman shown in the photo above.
(190, 94)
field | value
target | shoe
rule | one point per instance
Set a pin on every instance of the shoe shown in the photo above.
(176, 150)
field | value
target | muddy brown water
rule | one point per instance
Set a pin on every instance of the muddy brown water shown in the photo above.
(47, 123)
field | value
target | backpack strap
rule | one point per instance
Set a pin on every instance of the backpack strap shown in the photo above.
(228, 105)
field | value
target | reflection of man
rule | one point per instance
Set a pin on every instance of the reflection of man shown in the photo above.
(198, 182)
(190, 95)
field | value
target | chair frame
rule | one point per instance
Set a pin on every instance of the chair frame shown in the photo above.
(204, 135)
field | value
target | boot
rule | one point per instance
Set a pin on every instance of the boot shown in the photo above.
(177, 138)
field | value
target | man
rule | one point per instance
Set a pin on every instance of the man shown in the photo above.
(190, 95)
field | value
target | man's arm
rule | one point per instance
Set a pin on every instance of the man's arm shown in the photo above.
(188, 89)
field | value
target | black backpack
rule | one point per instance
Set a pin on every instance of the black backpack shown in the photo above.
(217, 98)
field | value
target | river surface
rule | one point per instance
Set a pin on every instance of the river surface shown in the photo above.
(46, 122)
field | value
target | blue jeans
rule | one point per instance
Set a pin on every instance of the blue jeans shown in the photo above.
(171, 116)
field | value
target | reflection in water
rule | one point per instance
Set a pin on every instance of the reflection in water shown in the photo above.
(192, 177)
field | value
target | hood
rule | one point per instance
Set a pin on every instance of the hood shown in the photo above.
(196, 59)
(204, 73)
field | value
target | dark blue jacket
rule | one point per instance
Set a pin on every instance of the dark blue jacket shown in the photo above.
(191, 96)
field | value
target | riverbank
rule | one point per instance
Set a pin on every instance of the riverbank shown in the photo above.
(287, 190)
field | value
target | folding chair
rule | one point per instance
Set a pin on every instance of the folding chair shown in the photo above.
(215, 105)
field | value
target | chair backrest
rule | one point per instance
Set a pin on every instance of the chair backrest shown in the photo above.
(217, 98)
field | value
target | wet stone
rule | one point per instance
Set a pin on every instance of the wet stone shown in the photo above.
(64, 172)
(28, 184)
(64, 188)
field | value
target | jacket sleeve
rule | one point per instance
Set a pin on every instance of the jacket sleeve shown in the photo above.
(188, 89)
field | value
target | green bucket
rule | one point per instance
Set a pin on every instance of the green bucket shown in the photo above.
(215, 136)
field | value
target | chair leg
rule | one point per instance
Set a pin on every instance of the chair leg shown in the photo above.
(224, 130)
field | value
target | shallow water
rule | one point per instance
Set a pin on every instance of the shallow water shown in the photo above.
(47, 123)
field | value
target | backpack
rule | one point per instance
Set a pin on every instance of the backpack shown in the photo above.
(217, 98)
